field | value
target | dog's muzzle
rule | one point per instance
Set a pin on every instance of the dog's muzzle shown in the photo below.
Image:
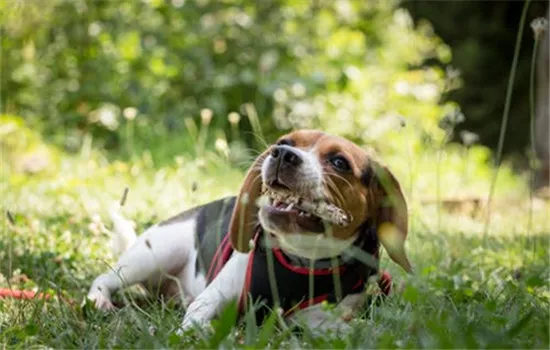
(290, 195)
(283, 167)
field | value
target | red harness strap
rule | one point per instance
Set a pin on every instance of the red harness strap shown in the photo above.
(223, 254)
(305, 270)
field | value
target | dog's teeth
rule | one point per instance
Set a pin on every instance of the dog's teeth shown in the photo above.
(289, 206)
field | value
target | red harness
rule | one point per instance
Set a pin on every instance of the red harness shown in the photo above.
(353, 277)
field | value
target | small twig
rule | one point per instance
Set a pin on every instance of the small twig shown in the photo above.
(124, 196)
(10, 217)
(11, 220)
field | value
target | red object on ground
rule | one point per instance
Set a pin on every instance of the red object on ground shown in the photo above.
(21, 294)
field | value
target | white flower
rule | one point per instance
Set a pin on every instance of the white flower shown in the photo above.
(280, 95)
(302, 109)
(452, 72)
(243, 19)
(268, 60)
(468, 137)
(352, 72)
(130, 113)
(426, 92)
(107, 115)
(178, 3)
(298, 89)
(94, 29)
(206, 116)
(539, 25)
(234, 118)
(401, 87)
(221, 146)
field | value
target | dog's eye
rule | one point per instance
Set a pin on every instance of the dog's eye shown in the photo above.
(340, 164)
(287, 142)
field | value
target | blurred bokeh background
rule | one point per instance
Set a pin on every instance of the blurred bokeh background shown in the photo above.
(166, 79)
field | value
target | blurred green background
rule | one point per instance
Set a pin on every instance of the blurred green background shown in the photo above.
(130, 76)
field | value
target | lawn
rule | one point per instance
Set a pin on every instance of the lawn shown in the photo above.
(108, 99)
(471, 289)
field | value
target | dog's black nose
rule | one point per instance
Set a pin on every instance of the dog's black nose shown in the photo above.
(286, 154)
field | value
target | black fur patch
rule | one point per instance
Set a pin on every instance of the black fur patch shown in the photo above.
(367, 176)
(212, 224)
(370, 242)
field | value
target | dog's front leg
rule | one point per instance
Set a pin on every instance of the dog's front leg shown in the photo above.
(226, 287)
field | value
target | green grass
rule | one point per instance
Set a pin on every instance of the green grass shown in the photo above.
(468, 291)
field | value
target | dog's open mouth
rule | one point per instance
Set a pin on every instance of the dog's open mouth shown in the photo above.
(309, 214)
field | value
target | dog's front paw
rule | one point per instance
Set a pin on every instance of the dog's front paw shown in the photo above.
(101, 301)
(321, 322)
(336, 325)
(198, 315)
(189, 324)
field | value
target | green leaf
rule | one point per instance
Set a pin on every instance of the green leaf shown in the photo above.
(519, 325)
(224, 324)
(410, 294)
(267, 330)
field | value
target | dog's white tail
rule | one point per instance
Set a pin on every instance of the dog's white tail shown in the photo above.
(123, 234)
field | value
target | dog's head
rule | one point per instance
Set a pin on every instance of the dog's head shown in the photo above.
(314, 192)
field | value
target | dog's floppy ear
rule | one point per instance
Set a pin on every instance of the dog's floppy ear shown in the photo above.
(392, 220)
(245, 214)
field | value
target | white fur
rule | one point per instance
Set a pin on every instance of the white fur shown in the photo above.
(227, 286)
(161, 251)
(313, 246)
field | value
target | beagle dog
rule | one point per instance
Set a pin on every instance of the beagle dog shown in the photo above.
(305, 227)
